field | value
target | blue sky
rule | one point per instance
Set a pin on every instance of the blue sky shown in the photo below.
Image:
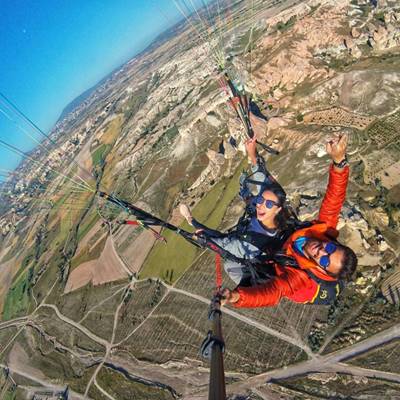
(53, 50)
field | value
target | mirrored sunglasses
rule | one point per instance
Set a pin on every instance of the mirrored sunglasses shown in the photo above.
(325, 261)
(268, 203)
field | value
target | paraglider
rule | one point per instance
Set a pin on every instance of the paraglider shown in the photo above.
(317, 264)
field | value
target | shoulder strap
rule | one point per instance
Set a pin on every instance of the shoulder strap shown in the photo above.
(284, 260)
(320, 281)
(243, 222)
(327, 292)
(247, 180)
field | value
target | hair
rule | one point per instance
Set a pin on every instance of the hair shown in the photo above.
(349, 264)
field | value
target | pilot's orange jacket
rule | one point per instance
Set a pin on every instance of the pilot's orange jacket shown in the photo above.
(308, 283)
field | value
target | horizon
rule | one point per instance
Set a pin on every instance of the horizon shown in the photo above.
(43, 93)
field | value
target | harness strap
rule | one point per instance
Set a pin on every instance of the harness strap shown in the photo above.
(319, 280)
(157, 235)
(218, 271)
(247, 180)
(135, 223)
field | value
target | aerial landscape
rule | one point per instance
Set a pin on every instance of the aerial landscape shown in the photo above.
(94, 306)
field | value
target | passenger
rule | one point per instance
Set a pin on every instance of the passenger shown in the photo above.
(317, 264)
(263, 229)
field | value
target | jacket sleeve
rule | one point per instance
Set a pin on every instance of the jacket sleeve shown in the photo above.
(334, 196)
(270, 293)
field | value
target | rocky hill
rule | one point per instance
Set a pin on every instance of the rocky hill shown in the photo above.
(111, 312)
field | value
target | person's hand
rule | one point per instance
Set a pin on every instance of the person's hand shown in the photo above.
(251, 149)
(229, 296)
(336, 148)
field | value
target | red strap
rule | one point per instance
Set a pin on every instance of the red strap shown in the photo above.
(136, 223)
(235, 100)
(155, 233)
(218, 271)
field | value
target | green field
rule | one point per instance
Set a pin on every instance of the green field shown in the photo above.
(87, 255)
(177, 255)
(99, 155)
(87, 224)
(166, 139)
(17, 300)
(9, 395)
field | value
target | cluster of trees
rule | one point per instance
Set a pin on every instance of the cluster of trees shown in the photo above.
(284, 26)
(135, 102)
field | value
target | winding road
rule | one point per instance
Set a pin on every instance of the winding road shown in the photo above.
(332, 362)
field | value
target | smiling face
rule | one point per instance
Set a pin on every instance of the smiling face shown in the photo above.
(267, 215)
(314, 249)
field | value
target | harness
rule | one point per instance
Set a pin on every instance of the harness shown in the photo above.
(262, 270)
(245, 180)
(267, 244)
(328, 291)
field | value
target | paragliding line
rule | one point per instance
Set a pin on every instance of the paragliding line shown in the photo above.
(21, 153)
(10, 105)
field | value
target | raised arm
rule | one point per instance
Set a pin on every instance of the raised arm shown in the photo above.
(251, 150)
(337, 184)
(259, 177)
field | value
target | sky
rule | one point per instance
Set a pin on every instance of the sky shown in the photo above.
(53, 50)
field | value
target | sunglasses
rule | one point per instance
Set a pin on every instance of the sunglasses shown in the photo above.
(268, 203)
(325, 261)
